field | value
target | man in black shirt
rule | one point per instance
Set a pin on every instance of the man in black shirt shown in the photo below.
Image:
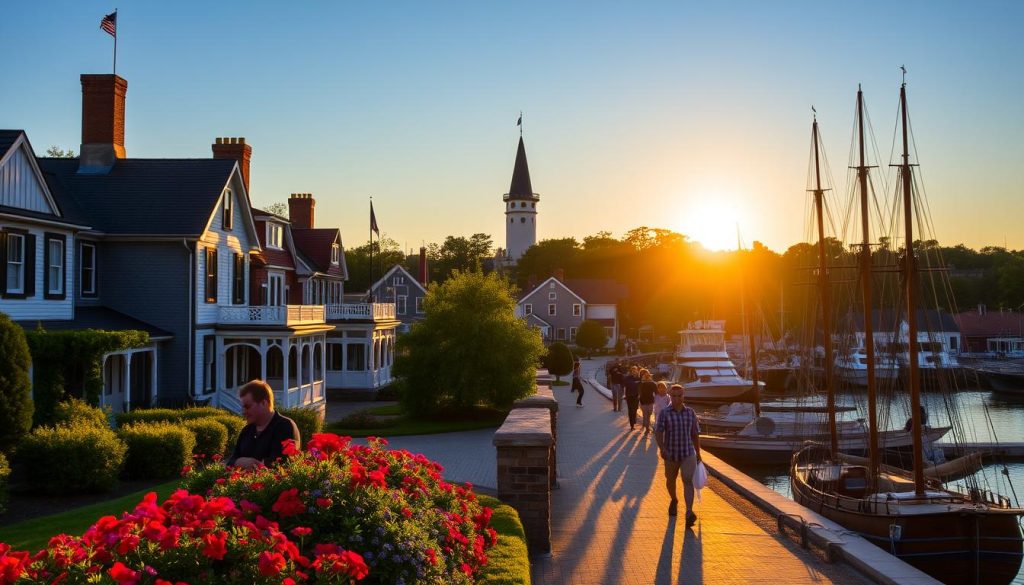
(260, 440)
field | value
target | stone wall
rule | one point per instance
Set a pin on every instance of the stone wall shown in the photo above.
(524, 445)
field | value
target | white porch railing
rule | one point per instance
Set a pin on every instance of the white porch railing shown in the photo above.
(375, 311)
(271, 315)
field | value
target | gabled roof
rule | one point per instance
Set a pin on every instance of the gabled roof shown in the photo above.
(889, 319)
(544, 285)
(533, 319)
(314, 245)
(7, 140)
(279, 258)
(144, 197)
(992, 324)
(13, 141)
(398, 268)
(521, 187)
(600, 291)
(101, 318)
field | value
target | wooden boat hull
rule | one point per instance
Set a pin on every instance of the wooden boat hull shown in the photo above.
(782, 448)
(715, 393)
(952, 538)
(1003, 382)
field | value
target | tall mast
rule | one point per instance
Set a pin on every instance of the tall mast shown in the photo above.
(910, 278)
(826, 308)
(747, 325)
(866, 293)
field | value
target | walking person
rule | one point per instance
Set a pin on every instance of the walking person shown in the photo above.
(647, 390)
(661, 400)
(577, 382)
(677, 433)
(632, 387)
(615, 379)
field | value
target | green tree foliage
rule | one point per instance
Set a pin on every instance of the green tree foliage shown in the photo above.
(278, 208)
(15, 401)
(559, 360)
(540, 260)
(58, 152)
(591, 336)
(458, 254)
(386, 253)
(469, 349)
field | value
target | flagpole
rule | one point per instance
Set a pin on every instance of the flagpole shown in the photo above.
(115, 42)
(369, 286)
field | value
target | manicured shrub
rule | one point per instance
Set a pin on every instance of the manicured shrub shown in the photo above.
(5, 472)
(362, 420)
(74, 411)
(308, 420)
(156, 450)
(15, 403)
(211, 436)
(194, 412)
(71, 459)
(559, 360)
(508, 563)
(148, 415)
(591, 336)
(234, 425)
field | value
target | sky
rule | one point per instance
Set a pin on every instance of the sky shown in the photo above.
(688, 116)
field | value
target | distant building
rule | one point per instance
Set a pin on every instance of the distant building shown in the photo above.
(405, 291)
(995, 333)
(559, 305)
(520, 210)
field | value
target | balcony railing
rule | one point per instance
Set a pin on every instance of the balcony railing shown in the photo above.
(375, 311)
(271, 315)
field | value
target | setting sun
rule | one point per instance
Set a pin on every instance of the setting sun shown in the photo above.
(711, 222)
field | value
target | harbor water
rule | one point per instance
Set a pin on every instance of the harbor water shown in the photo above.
(984, 417)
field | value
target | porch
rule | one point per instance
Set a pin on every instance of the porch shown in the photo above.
(129, 379)
(292, 363)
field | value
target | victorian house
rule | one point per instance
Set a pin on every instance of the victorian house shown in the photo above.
(558, 306)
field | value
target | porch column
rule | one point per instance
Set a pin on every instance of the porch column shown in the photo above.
(286, 346)
(153, 378)
(263, 359)
(220, 366)
(128, 380)
(298, 368)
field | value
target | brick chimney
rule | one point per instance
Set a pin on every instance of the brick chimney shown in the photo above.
(300, 210)
(424, 275)
(237, 149)
(102, 122)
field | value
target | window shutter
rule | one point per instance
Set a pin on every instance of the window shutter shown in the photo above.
(63, 294)
(46, 267)
(3, 264)
(30, 265)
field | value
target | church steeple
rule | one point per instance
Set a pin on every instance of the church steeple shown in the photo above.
(521, 187)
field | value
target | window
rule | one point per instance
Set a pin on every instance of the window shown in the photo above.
(561, 333)
(229, 204)
(87, 267)
(334, 356)
(209, 364)
(54, 259)
(238, 281)
(552, 295)
(528, 309)
(551, 310)
(522, 220)
(17, 250)
(277, 292)
(355, 355)
(577, 310)
(419, 305)
(335, 254)
(275, 235)
(954, 344)
(552, 285)
(572, 334)
(400, 302)
(211, 275)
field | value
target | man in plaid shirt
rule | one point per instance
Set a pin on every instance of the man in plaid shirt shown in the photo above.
(678, 435)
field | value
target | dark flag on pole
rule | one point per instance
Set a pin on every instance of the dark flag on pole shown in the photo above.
(373, 221)
(519, 122)
(109, 24)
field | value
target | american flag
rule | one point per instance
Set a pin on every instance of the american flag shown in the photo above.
(109, 24)
(373, 221)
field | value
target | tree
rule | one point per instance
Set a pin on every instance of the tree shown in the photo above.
(386, 253)
(57, 152)
(559, 360)
(591, 336)
(15, 385)
(458, 253)
(278, 208)
(469, 349)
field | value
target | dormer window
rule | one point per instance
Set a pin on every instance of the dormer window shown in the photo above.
(335, 254)
(229, 208)
(275, 235)
(399, 280)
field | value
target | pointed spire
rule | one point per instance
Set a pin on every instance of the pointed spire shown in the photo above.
(521, 187)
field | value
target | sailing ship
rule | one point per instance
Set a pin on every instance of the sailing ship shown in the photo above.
(703, 366)
(851, 367)
(957, 536)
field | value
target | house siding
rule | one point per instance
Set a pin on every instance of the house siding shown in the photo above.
(564, 300)
(228, 243)
(149, 281)
(410, 289)
(37, 307)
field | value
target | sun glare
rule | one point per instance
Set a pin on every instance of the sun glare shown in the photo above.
(710, 222)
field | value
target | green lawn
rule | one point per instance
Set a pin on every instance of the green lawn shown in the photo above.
(448, 422)
(33, 535)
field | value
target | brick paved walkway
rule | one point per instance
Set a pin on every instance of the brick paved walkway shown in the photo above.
(610, 522)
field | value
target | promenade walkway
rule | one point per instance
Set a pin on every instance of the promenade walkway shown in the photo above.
(610, 522)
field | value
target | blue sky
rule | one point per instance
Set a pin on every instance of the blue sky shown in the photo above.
(668, 114)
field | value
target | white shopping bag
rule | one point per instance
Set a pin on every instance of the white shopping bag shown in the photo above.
(700, 478)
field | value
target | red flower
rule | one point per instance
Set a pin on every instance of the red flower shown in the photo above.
(431, 556)
(289, 503)
(301, 531)
(123, 575)
(271, 563)
(376, 478)
(186, 470)
(344, 563)
(215, 545)
(289, 448)
(324, 502)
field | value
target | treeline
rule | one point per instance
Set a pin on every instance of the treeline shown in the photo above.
(673, 280)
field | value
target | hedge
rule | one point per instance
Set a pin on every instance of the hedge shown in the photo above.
(211, 436)
(16, 405)
(233, 424)
(156, 450)
(71, 459)
(75, 411)
(308, 420)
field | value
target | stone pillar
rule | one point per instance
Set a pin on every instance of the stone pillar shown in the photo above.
(523, 444)
(545, 399)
